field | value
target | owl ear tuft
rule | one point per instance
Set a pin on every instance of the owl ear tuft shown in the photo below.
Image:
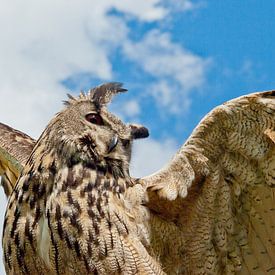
(103, 94)
(70, 100)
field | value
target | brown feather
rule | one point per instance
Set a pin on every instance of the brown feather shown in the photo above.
(15, 148)
(223, 222)
(101, 95)
(211, 209)
(75, 209)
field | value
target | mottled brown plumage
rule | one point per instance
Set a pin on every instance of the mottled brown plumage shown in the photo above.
(75, 210)
(15, 148)
(213, 206)
(211, 210)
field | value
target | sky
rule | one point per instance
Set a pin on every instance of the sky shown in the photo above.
(178, 59)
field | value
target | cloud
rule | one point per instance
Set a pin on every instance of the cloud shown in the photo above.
(131, 108)
(171, 96)
(46, 42)
(151, 155)
(176, 70)
(179, 6)
(148, 11)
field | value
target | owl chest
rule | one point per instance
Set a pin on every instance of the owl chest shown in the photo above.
(21, 240)
(73, 228)
(67, 235)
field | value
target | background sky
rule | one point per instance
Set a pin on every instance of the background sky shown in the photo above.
(178, 59)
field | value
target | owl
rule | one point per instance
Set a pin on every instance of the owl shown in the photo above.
(72, 211)
(210, 210)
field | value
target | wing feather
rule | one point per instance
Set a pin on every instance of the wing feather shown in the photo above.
(15, 148)
(213, 206)
(224, 220)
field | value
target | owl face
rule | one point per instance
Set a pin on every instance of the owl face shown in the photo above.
(86, 127)
(98, 130)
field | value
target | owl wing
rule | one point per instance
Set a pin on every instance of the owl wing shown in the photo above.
(15, 148)
(213, 205)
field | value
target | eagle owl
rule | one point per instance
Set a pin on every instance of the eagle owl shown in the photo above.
(75, 208)
(71, 211)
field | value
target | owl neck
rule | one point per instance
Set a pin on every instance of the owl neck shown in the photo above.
(116, 168)
(51, 158)
(41, 174)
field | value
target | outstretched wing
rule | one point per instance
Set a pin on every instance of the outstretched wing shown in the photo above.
(15, 148)
(213, 206)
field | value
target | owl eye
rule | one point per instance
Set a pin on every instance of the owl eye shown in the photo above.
(94, 118)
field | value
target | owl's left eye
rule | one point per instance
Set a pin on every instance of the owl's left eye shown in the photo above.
(94, 118)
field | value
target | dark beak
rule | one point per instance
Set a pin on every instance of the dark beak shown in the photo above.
(113, 144)
(139, 131)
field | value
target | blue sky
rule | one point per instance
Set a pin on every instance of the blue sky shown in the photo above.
(238, 41)
(230, 46)
(179, 59)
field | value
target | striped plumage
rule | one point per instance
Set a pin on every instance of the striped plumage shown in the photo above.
(15, 148)
(221, 217)
(71, 211)
(211, 210)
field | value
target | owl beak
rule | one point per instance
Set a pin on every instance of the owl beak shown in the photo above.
(113, 144)
(139, 131)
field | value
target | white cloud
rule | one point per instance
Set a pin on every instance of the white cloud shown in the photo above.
(170, 96)
(144, 10)
(131, 108)
(180, 6)
(151, 155)
(44, 42)
(177, 70)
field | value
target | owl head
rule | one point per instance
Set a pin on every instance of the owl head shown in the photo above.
(86, 129)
